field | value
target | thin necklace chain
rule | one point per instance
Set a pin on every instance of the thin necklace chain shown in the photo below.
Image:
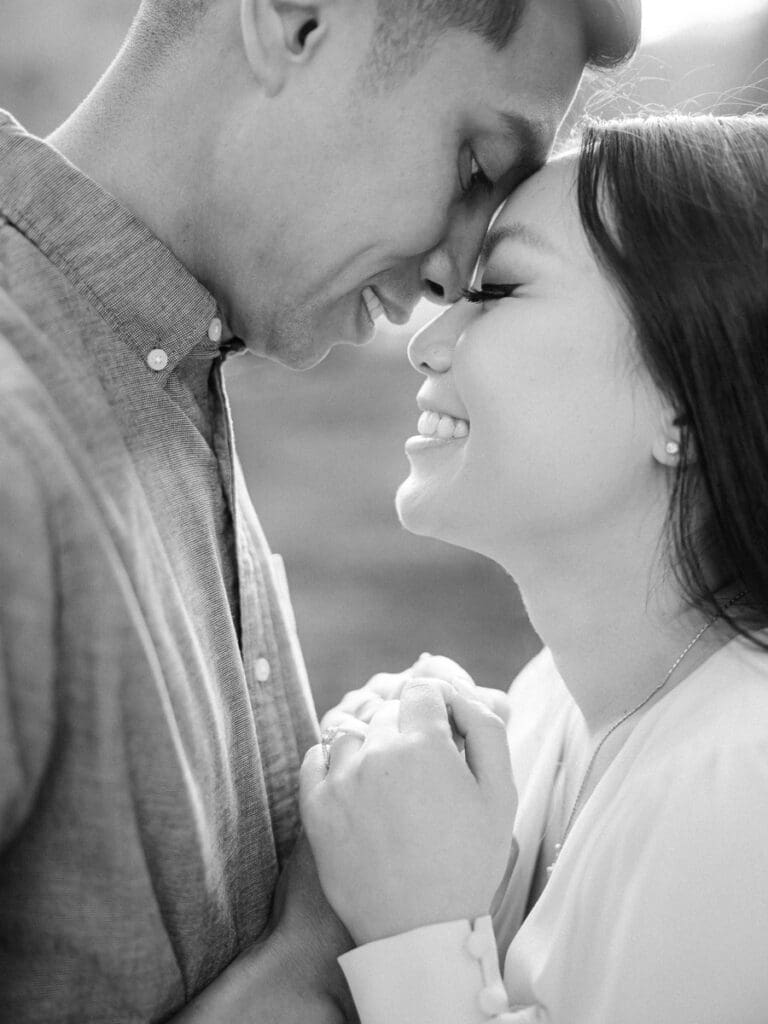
(628, 714)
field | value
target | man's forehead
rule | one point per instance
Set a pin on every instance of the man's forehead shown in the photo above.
(540, 70)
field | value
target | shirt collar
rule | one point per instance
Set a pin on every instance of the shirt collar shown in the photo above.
(132, 279)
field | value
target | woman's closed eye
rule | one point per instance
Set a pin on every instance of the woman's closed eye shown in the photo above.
(490, 292)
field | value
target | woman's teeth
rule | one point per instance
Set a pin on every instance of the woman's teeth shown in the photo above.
(372, 304)
(432, 424)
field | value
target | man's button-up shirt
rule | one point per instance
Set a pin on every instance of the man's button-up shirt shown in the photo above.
(154, 707)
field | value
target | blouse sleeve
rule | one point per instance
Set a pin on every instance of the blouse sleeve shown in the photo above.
(440, 974)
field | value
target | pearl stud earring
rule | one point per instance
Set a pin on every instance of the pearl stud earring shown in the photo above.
(672, 448)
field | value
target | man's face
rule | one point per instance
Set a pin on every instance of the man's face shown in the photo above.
(365, 192)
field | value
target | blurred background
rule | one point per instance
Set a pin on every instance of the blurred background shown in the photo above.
(323, 450)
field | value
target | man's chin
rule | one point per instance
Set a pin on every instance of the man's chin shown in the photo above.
(299, 359)
(293, 353)
(301, 351)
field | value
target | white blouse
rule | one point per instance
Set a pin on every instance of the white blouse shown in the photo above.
(657, 909)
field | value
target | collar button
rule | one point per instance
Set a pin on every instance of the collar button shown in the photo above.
(215, 330)
(157, 359)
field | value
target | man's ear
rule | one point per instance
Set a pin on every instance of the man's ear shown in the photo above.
(278, 35)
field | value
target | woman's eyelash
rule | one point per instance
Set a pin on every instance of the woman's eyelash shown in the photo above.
(490, 292)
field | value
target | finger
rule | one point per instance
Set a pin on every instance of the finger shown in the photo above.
(343, 750)
(437, 666)
(342, 723)
(486, 746)
(355, 701)
(386, 685)
(312, 771)
(385, 720)
(357, 705)
(423, 707)
(496, 700)
(440, 667)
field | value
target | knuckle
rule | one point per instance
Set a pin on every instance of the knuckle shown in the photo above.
(384, 683)
(491, 721)
(422, 687)
(351, 699)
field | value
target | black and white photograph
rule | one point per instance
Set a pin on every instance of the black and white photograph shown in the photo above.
(384, 512)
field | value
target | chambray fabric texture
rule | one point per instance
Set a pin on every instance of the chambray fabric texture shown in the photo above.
(148, 770)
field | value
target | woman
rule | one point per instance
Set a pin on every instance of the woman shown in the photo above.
(595, 418)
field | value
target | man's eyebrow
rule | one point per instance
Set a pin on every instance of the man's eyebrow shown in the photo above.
(529, 137)
(515, 233)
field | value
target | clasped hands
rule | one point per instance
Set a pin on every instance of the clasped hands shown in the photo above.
(411, 820)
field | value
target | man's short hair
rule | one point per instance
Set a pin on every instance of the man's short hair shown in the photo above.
(611, 28)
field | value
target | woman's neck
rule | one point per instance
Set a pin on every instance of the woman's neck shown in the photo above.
(614, 623)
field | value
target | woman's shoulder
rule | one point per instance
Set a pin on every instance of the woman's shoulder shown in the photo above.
(699, 763)
(720, 708)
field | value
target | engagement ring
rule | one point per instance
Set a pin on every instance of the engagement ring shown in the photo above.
(329, 736)
(326, 742)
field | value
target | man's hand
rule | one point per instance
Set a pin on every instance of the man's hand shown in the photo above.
(363, 704)
(311, 935)
(291, 976)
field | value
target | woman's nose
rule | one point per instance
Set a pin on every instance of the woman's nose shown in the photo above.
(431, 350)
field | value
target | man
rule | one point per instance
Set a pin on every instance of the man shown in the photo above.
(267, 173)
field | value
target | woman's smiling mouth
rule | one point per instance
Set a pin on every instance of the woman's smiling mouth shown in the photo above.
(437, 430)
(442, 426)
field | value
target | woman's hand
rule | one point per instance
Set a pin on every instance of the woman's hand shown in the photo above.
(363, 704)
(406, 829)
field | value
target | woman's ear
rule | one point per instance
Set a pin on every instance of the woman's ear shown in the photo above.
(278, 35)
(668, 440)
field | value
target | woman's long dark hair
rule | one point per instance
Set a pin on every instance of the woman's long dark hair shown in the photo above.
(676, 209)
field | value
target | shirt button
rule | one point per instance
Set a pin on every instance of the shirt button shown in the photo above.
(494, 1000)
(157, 359)
(215, 330)
(262, 670)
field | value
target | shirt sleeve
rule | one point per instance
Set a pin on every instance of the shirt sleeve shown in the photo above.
(440, 974)
(27, 662)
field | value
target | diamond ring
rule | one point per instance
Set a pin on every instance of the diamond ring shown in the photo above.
(330, 735)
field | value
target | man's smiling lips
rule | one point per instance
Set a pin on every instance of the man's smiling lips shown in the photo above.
(377, 306)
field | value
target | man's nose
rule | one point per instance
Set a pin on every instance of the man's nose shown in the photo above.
(447, 269)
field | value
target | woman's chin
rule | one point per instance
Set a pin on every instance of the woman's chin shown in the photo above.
(422, 512)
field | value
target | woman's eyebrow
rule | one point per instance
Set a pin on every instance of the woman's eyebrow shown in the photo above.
(518, 233)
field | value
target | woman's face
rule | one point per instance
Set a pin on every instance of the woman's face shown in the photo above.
(548, 419)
